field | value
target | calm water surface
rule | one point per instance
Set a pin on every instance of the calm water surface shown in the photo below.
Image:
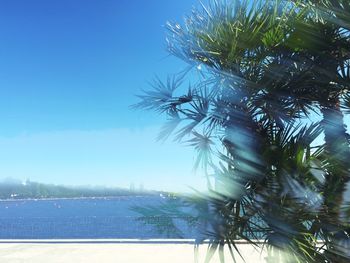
(85, 218)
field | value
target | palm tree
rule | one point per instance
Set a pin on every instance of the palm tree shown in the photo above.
(321, 43)
(257, 79)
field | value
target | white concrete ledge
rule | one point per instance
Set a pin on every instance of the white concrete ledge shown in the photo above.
(121, 251)
(116, 251)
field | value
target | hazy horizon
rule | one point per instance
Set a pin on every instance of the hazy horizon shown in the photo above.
(132, 186)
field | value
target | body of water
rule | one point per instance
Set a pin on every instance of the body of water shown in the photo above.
(88, 218)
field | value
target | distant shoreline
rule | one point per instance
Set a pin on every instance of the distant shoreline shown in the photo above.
(75, 198)
(39, 191)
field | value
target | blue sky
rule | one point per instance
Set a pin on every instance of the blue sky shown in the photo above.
(69, 70)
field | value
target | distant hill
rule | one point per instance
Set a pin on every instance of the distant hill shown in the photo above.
(34, 190)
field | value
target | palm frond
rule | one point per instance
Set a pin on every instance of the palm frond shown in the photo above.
(160, 97)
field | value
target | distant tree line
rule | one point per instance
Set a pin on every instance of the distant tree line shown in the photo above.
(15, 190)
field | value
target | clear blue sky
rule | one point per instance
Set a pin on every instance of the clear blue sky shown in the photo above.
(69, 70)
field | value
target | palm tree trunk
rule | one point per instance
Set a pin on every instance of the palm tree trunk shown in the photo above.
(338, 155)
